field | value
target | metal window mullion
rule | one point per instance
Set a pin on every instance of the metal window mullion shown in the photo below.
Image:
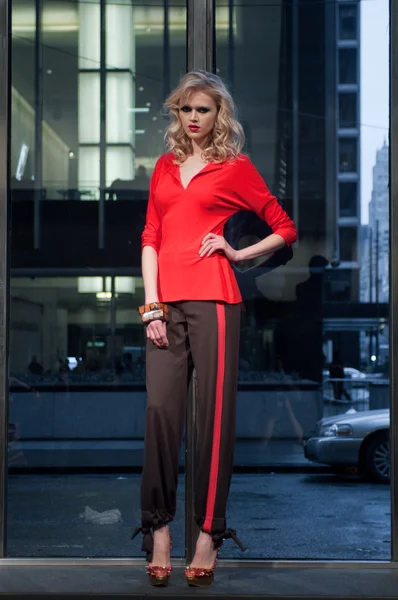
(393, 174)
(211, 35)
(38, 150)
(102, 149)
(5, 137)
(200, 55)
(331, 139)
(113, 319)
(166, 49)
(201, 34)
(359, 134)
(231, 45)
(295, 113)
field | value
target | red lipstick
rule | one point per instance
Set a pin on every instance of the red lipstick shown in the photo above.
(193, 127)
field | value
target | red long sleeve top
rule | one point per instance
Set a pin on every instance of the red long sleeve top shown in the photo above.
(178, 218)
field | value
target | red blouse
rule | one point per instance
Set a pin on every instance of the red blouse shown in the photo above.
(178, 218)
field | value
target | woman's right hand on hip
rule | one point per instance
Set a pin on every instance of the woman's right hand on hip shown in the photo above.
(156, 332)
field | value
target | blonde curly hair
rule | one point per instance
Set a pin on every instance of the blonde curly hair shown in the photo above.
(227, 137)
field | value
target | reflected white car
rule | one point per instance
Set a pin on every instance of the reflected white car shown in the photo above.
(355, 439)
(349, 372)
(354, 373)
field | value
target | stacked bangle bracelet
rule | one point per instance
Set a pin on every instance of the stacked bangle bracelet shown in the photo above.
(152, 311)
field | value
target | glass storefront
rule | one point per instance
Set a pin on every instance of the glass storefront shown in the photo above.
(312, 457)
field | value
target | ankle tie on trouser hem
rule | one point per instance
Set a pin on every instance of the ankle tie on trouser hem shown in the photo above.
(147, 541)
(218, 538)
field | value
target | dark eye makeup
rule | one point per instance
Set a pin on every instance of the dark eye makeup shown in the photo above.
(200, 109)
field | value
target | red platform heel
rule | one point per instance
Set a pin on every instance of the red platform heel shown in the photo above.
(200, 577)
(159, 575)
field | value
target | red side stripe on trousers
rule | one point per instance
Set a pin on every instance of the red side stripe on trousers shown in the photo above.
(215, 453)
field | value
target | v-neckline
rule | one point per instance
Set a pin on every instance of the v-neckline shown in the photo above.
(193, 176)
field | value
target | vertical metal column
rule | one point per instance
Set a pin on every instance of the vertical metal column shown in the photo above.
(200, 55)
(101, 204)
(295, 113)
(5, 118)
(370, 288)
(166, 49)
(331, 142)
(394, 274)
(231, 46)
(201, 34)
(211, 35)
(38, 151)
(377, 296)
(113, 317)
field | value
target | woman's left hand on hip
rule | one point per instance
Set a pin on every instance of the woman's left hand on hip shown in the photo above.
(217, 243)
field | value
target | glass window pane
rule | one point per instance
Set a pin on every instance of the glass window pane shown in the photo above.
(22, 102)
(376, 234)
(340, 287)
(89, 108)
(348, 244)
(77, 345)
(348, 155)
(89, 45)
(348, 21)
(309, 348)
(348, 199)
(77, 362)
(348, 110)
(120, 121)
(119, 164)
(89, 173)
(348, 65)
(120, 26)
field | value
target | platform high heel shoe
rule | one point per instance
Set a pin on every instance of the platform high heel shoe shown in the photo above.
(159, 576)
(200, 577)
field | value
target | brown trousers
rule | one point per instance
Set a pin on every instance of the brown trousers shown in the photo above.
(203, 335)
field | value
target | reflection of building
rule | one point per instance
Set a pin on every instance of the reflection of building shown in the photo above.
(104, 70)
(375, 240)
(365, 275)
(89, 112)
(293, 133)
(89, 79)
(343, 179)
(375, 258)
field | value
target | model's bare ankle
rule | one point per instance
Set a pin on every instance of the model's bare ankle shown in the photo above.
(161, 547)
(205, 552)
(205, 539)
(162, 531)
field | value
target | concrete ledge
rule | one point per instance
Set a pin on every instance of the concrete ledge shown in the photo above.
(266, 581)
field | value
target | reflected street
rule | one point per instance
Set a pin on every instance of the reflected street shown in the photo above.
(289, 516)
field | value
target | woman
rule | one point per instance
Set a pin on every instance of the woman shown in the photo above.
(192, 312)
